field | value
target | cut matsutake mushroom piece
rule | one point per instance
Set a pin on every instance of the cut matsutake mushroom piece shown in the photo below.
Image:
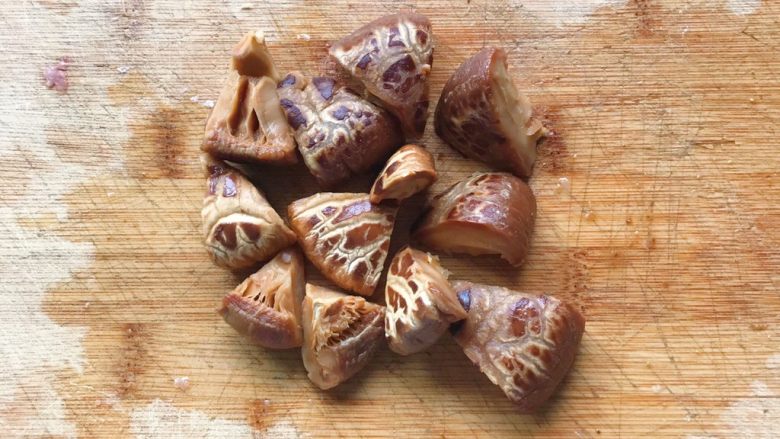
(481, 114)
(340, 335)
(247, 123)
(421, 303)
(410, 170)
(239, 225)
(266, 307)
(524, 343)
(488, 213)
(344, 236)
(339, 134)
(392, 56)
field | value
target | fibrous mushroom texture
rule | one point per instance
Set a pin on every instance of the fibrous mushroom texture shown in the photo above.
(524, 343)
(339, 134)
(421, 303)
(340, 335)
(488, 213)
(247, 123)
(481, 114)
(392, 56)
(266, 307)
(345, 237)
(239, 225)
(410, 170)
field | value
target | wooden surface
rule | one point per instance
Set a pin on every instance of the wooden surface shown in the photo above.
(659, 214)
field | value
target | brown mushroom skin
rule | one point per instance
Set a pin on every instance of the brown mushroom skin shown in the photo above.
(340, 335)
(488, 213)
(247, 124)
(421, 303)
(392, 56)
(481, 114)
(266, 306)
(240, 227)
(409, 170)
(338, 133)
(525, 344)
(345, 236)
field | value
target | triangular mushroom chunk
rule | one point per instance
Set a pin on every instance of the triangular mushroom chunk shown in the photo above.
(344, 236)
(524, 343)
(421, 303)
(482, 115)
(392, 56)
(338, 133)
(266, 306)
(409, 170)
(340, 335)
(239, 225)
(485, 214)
(247, 123)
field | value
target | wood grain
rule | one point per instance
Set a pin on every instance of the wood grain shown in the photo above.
(659, 214)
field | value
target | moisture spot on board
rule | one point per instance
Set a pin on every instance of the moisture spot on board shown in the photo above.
(743, 7)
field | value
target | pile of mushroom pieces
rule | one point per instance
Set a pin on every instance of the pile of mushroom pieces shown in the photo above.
(524, 343)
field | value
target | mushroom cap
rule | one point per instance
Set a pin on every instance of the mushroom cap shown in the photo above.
(524, 343)
(266, 306)
(240, 227)
(421, 303)
(340, 335)
(345, 236)
(392, 57)
(488, 213)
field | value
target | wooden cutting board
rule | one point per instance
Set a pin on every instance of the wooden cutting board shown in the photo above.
(659, 215)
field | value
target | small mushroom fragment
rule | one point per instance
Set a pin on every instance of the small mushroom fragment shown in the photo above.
(421, 304)
(266, 306)
(345, 237)
(488, 213)
(392, 56)
(524, 343)
(239, 225)
(410, 170)
(338, 133)
(247, 123)
(340, 335)
(482, 115)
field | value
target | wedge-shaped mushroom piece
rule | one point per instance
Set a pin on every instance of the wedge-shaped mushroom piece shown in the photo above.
(482, 115)
(410, 170)
(340, 335)
(345, 237)
(266, 306)
(339, 134)
(488, 213)
(421, 303)
(524, 343)
(239, 225)
(392, 56)
(247, 123)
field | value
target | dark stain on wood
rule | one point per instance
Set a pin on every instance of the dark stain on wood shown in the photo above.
(576, 275)
(132, 358)
(169, 144)
(552, 151)
(645, 21)
(259, 414)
